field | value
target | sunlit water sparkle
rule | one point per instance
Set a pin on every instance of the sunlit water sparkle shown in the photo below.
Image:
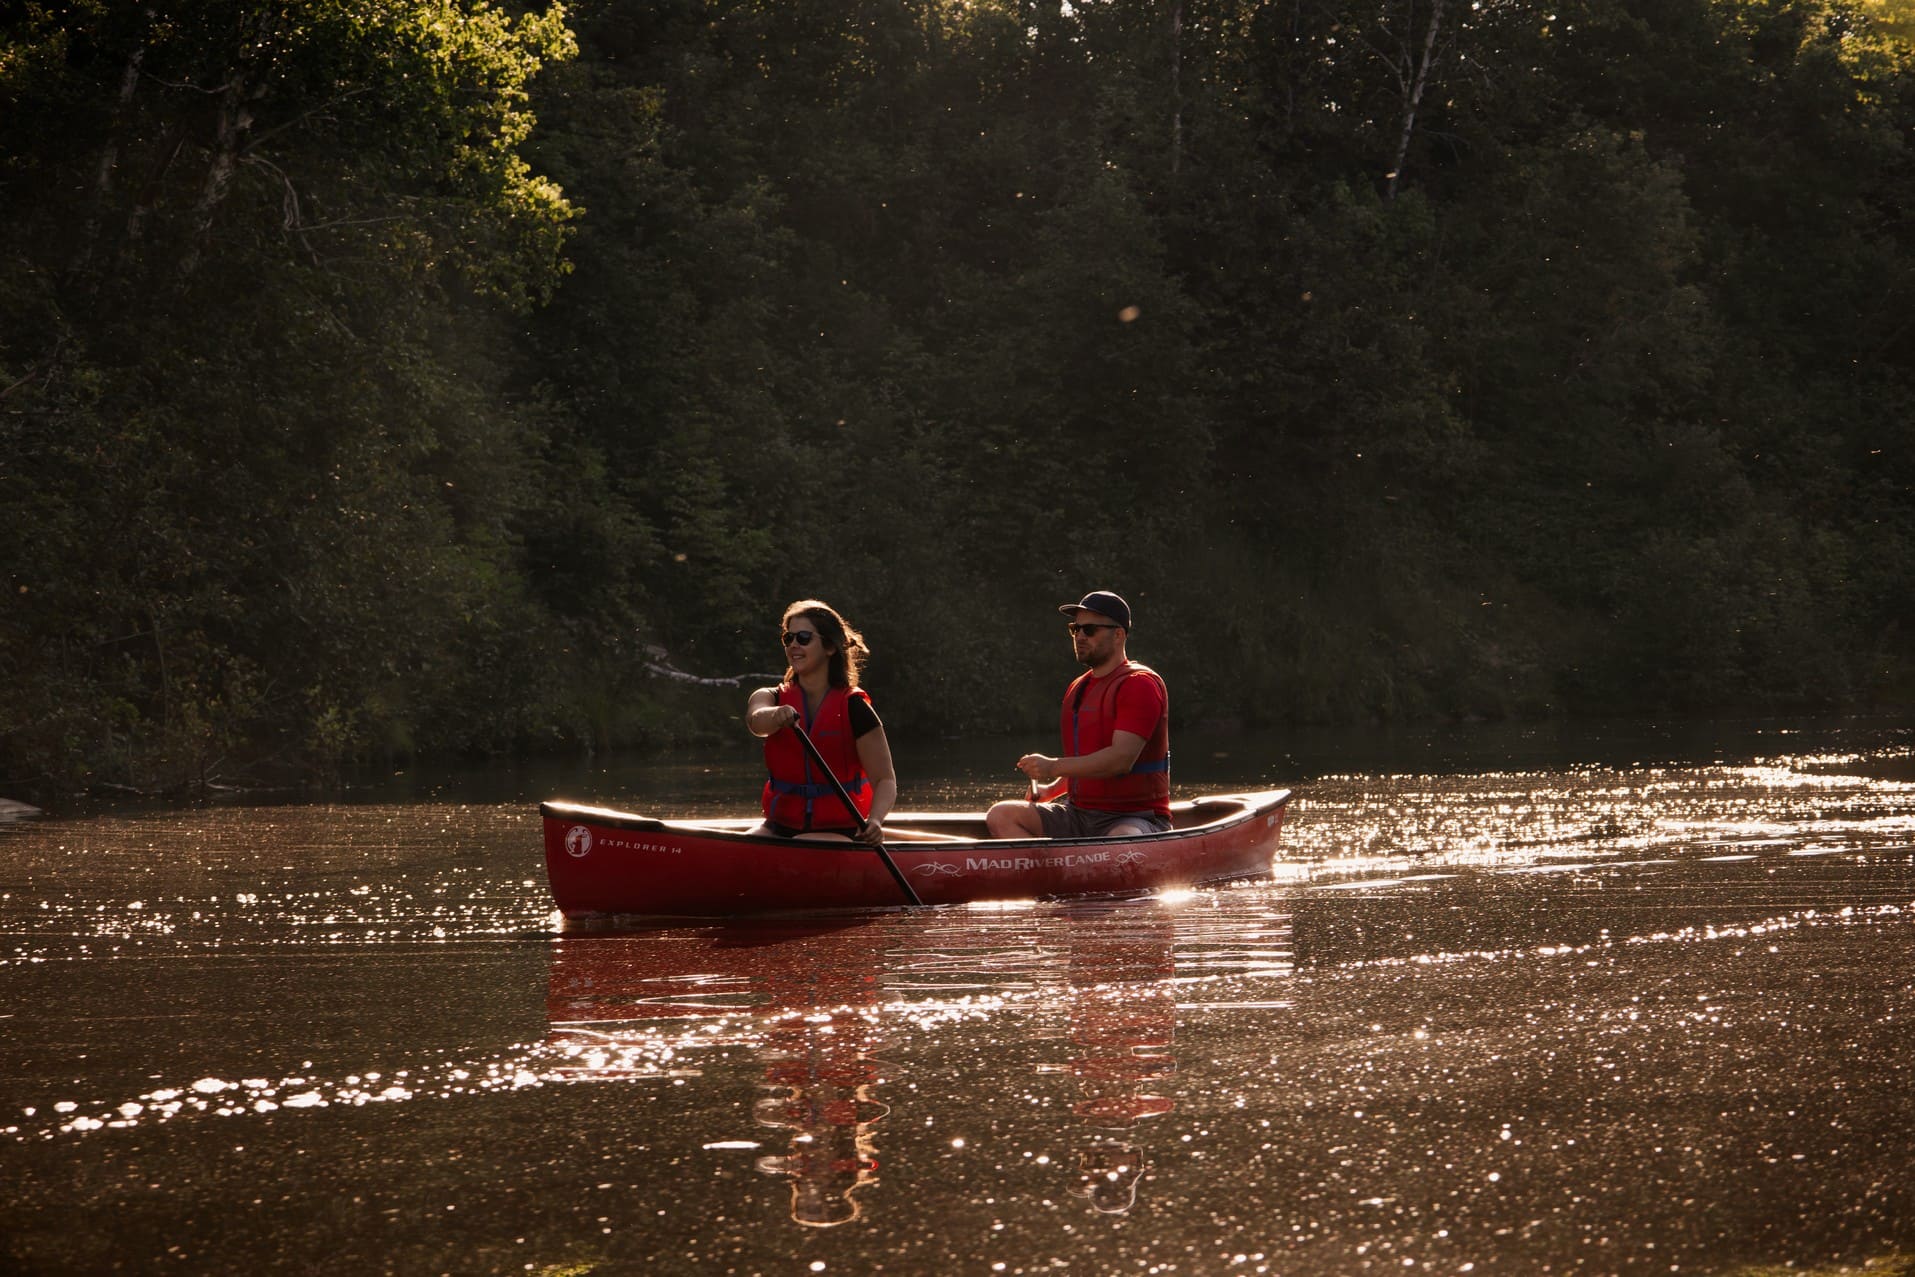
(1602, 1018)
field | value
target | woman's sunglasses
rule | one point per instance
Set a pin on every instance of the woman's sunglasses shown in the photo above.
(1089, 627)
(801, 637)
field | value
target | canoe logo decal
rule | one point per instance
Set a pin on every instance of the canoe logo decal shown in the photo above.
(578, 841)
(988, 864)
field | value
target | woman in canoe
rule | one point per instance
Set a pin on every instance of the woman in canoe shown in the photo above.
(820, 695)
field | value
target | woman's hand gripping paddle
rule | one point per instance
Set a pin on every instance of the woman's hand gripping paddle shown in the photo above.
(811, 751)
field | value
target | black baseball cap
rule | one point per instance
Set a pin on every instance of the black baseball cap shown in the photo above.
(1102, 601)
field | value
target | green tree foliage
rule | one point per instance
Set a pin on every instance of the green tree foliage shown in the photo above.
(267, 480)
(384, 376)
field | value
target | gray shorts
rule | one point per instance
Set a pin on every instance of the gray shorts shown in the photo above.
(1065, 819)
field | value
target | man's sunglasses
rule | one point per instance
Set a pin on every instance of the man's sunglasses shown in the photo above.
(801, 637)
(1089, 627)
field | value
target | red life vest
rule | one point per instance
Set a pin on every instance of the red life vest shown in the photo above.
(797, 796)
(1088, 723)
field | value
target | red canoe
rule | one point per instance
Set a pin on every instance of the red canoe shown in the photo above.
(612, 862)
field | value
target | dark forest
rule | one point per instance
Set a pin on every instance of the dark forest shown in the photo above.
(390, 379)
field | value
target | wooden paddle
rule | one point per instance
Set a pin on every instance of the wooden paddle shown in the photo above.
(818, 761)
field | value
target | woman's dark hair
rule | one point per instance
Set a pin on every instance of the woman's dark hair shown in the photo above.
(832, 628)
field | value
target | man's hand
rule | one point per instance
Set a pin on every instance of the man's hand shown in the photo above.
(1044, 793)
(1041, 768)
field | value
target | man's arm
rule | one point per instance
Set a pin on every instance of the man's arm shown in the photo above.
(1115, 759)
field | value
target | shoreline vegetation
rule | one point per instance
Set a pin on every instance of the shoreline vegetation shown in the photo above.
(420, 381)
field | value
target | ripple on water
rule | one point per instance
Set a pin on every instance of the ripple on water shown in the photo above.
(1654, 1016)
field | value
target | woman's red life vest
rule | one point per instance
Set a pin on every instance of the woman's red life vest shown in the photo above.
(1087, 724)
(797, 796)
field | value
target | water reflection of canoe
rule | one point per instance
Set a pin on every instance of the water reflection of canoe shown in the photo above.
(805, 997)
(830, 1008)
(611, 862)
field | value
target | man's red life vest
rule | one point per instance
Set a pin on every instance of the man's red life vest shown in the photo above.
(1088, 723)
(797, 796)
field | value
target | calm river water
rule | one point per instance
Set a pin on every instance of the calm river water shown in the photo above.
(1627, 1000)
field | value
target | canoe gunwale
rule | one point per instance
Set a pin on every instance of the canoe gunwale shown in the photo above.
(1250, 805)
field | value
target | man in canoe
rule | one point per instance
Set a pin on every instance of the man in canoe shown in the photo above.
(821, 697)
(1114, 777)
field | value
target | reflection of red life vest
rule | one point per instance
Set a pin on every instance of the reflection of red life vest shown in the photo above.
(1088, 722)
(798, 797)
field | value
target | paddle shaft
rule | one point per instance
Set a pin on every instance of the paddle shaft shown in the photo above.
(817, 760)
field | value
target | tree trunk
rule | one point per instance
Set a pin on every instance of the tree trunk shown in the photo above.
(1415, 82)
(109, 161)
(1176, 86)
(234, 119)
